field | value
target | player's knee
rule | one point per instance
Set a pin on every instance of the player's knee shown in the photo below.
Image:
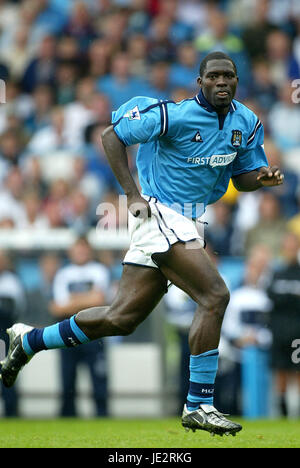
(220, 299)
(217, 300)
(124, 326)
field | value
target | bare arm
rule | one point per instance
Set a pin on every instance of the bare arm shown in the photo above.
(264, 177)
(118, 160)
(77, 302)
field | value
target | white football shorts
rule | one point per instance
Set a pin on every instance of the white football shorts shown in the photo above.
(158, 233)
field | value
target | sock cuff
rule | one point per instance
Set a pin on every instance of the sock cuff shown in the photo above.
(63, 334)
(212, 352)
(77, 331)
(26, 346)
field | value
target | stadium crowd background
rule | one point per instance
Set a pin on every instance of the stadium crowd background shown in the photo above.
(67, 64)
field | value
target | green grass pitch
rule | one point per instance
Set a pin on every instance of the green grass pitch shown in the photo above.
(149, 433)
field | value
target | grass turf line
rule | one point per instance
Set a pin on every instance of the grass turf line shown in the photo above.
(149, 433)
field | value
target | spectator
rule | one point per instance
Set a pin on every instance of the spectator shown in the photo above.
(185, 68)
(33, 216)
(40, 297)
(18, 105)
(287, 193)
(284, 293)
(271, 226)
(138, 50)
(282, 13)
(33, 177)
(80, 25)
(161, 48)
(296, 43)
(113, 27)
(79, 218)
(293, 224)
(247, 316)
(49, 21)
(99, 54)
(58, 195)
(101, 106)
(10, 15)
(87, 182)
(50, 138)
(42, 68)
(12, 212)
(43, 100)
(81, 284)
(262, 88)
(180, 31)
(220, 38)
(159, 81)
(12, 309)
(96, 162)
(11, 150)
(179, 94)
(284, 120)
(17, 56)
(219, 232)
(54, 215)
(80, 113)
(66, 77)
(283, 65)
(256, 33)
(68, 50)
(120, 85)
(139, 19)
(193, 13)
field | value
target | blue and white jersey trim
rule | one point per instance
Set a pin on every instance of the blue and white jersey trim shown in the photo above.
(252, 136)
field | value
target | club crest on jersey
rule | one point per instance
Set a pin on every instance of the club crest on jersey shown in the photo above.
(197, 138)
(133, 114)
(236, 139)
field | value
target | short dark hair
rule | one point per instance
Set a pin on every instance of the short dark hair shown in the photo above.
(215, 56)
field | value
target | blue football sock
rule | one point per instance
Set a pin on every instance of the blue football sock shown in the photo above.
(65, 334)
(203, 370)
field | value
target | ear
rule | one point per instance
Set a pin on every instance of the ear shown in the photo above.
(199, 81)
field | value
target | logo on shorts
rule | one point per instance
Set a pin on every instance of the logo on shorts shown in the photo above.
(133, 114)
(236, 139)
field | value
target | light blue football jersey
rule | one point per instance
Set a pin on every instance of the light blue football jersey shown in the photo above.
(187, 152)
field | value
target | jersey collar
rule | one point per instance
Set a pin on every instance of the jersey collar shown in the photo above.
(202, 101)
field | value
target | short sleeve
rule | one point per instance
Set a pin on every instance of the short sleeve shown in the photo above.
(140, 120)
(253, 156)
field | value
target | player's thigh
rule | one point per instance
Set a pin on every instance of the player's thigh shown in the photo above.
(189, 267)
(140, 290)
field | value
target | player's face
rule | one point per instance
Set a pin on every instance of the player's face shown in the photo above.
(219, 83)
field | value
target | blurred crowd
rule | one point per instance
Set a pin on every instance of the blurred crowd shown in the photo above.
(66, 65)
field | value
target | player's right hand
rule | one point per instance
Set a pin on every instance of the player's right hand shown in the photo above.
(139, 207)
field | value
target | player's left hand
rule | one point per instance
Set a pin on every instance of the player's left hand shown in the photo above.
(270, 176)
